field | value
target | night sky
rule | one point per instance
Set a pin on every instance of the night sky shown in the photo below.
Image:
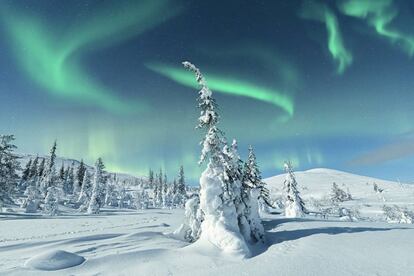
(323, 84)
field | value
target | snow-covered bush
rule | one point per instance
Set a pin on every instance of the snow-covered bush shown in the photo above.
(190, 230)
(395, 214)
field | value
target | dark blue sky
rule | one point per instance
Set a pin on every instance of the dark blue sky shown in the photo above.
(321, 83)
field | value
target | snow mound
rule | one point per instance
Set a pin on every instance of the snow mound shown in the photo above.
(54, 260)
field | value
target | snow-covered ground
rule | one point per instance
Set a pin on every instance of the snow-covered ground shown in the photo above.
(137, 242)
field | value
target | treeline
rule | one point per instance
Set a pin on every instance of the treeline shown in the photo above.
(39, 186)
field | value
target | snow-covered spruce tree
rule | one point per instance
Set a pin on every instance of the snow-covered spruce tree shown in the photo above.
(9, 166)
(99, 181)
(151, 179)
(141, 199)
(158, 189)
(294, 205)
(253, 191)
(51, 206)
(339, 195)
(49, 172)
(220, 225)
(33, 167)
(69, 180)
(233, 178)
(112, 193)
(32, 200)
(41, 168)
(25, 176)
(80, 173)
(180, 191)
(85, 192)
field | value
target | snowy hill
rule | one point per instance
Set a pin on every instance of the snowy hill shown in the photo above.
(316, 184)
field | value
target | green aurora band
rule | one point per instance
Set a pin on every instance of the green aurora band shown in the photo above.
(379, 14)
(52, 59)
(228, 86)
(336, 46)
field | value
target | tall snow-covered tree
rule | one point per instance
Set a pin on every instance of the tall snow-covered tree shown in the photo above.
(9, 166)
(220, 225)
(99, 182)
(294, 205)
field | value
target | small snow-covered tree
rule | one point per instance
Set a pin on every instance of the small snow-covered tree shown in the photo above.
(33, 167)
(49, 172)
(220, 225)
(51, 206)
(32, 200)
(151, 179)
(80, 174)
(85, 193)
(41, 168)
(339, 195)
(25, 176)
(181, 187)
(141, 199)
(253, 192)
(190, 230)
(294, 205)
(111, 195)
(9, 166)
(69, 180)
(99, 181)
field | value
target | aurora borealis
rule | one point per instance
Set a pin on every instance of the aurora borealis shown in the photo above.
(322, 83)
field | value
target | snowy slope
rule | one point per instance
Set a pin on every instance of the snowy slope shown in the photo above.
(317, 184)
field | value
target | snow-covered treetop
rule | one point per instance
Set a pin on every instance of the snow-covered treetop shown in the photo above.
(208, 116)
(208, 120)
